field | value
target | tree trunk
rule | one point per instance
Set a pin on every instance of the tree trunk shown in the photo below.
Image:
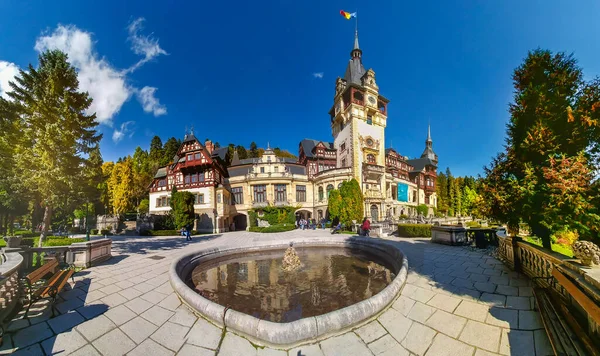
(45, 225)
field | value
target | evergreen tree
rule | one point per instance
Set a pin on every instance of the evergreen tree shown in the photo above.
(253, 152)
(182, 209)
(352, 202)
(57, 134)
(242, 153)
(169, 151)
(334, 204)
(442, 193)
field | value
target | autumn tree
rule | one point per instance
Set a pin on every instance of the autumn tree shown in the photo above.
(553, 120)
(120, 186)
(57, 132)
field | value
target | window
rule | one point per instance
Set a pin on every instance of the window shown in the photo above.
(343, 146)
(199, 199)
(197, 156)
(371, 158)
(162, 202)
(280, 192)
(238, 195)
(194, 178)
(344, 162)
(320, 193)
(320, 168)
(329, 189)
(219, 198)
(369, 119)
(259, 193)
(262, 169)
(414, 197)
(276, 169)
(300, 193)
(201, 177)
(187, 179)
(189, 157)
(162, 182)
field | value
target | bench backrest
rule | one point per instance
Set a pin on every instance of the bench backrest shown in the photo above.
(46, 268)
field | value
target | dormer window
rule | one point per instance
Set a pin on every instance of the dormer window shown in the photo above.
(369, 119)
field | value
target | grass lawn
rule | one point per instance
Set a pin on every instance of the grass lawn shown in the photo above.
(563, 250)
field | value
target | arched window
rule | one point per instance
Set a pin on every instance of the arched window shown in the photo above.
(371, 158)
(329, 189)
(320, 193)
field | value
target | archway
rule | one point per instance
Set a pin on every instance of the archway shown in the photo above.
(374, 213)
(240, 222)
(303, 214)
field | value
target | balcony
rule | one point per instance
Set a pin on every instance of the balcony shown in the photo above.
(282, 203)
(373, 194)
(260, 204)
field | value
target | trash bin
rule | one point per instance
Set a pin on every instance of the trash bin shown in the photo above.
(481, 239)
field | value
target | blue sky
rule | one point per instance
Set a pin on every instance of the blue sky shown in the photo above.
(245, 71)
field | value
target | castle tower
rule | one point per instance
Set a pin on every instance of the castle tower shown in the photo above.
(358, 121)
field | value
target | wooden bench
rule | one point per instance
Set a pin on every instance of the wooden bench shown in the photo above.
(566, 336)
(38, 288)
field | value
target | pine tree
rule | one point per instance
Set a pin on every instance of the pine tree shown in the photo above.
(169, 151)
(253, 152)
(57, 132)
(242, 153)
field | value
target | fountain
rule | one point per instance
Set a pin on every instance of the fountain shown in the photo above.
(278, 293)
(291, 261)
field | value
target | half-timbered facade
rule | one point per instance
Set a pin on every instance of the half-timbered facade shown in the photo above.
(393, 185)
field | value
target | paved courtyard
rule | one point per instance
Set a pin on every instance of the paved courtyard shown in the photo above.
(456, 302)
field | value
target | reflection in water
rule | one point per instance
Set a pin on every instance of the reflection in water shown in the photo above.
(256, 284)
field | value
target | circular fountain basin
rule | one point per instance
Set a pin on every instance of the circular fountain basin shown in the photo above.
(343, 282)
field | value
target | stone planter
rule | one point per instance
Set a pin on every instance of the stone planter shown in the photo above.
(13, 241)
(449, 235)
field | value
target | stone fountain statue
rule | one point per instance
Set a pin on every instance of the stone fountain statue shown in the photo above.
(291, 261)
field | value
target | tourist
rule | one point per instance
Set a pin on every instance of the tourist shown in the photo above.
(323, 223)
(188, 237)
(366, 227)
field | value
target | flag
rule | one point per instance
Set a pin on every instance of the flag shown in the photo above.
(347, 15)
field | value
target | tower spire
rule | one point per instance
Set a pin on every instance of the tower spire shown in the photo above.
(428, 132)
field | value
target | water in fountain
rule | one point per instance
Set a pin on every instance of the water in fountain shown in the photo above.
(291, 261)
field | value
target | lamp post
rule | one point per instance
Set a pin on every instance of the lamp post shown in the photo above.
(87, 230)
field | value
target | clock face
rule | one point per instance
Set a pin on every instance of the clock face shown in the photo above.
(369, 142)
(372, 100)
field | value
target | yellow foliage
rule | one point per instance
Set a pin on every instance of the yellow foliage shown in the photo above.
(566, 237)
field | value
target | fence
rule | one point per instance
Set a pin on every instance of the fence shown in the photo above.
(538, 264)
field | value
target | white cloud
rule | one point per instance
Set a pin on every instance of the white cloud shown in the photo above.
(7, 73)
(120, 134)
(106, 85)
(318, 75)
(149, 102)
(142, 45)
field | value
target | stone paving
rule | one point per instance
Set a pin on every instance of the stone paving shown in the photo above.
(456, 302)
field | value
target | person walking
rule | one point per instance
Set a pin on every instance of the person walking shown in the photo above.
(366, 227)
(188, 237)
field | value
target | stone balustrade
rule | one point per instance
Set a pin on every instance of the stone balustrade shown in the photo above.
(10, 264)
(81, 254)
(538, 263)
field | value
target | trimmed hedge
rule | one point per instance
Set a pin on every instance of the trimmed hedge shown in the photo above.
(414, 230)
(94, 232)
(165, 233)
(273, 228)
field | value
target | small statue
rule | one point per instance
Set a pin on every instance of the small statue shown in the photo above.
(291, 261)
(587, 252)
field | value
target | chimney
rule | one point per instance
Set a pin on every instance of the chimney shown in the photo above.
(209, 146)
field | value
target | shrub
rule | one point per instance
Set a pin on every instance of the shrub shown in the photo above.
(105, 232)
(64, 241)
(473, 224)
(255, 229)
(565, 237)
(414, 230)
(74, 230)
(94, 231)
(403, 216)
(279, 228)
(165, 232)
(423, 209)
(28, 241)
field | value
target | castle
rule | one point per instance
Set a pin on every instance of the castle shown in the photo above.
(392, 184)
